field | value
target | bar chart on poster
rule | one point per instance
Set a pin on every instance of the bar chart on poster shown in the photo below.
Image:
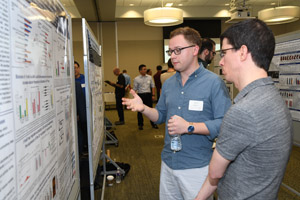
(38, 140)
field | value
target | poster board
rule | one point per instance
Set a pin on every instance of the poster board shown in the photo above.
(94, 99)
(38, 144)
(286, 66)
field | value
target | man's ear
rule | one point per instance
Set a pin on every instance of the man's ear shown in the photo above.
(244, 52)
(197, 49)
(206, 52)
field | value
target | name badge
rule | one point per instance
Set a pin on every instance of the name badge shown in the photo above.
(83, 85)
(196, 105)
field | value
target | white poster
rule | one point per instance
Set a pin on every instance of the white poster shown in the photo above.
(287, 60)
(95, 79)
(37, 134)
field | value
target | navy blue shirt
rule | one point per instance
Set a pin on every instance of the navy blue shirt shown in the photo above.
(203, 87)
(81, 79)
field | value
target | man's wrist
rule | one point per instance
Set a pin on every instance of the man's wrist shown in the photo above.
(143, 109)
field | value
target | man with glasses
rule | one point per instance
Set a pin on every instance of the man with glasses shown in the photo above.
(192, 104)
(207, 51)
(255, 140)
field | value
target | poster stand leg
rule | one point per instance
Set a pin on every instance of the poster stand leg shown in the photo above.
(112, 139)
(105, 157)
(111, 136)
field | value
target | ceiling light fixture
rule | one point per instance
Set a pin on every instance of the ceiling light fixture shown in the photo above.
(169, 4)
(163, 16)
(279, 15)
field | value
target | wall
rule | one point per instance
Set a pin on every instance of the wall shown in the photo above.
(136, 44)
(109, 52)
(139, 44)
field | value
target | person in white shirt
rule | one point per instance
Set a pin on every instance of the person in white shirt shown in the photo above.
(144, 87)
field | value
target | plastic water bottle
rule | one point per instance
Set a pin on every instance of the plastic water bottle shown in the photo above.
(118, 175)
(176, 143)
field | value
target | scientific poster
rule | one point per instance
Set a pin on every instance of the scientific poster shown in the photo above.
(37, 134)
(287, 61)
(94, 99)
(97, 105)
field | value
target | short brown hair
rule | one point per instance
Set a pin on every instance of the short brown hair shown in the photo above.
(190, 34)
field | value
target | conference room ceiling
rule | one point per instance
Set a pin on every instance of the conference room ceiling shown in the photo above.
(117, 10)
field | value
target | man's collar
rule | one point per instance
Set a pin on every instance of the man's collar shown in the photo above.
(251, 86)
(203, 62)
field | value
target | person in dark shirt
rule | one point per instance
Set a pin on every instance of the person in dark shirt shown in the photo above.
(157, 81)
(120, 93)
(78, 76)
(207, 52)
(81, 118)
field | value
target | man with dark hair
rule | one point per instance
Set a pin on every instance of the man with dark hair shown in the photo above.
(149, 72)
(144, 86)
(255, 140)
(119, 94)
(157, 81)
(78, 76)
(192, 104)
(207, 51)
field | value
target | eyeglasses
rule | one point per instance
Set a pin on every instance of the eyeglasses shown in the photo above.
(177, 51)
(214, 53)
(223, 52)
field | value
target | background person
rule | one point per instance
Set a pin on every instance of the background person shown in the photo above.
(81, 119)
(207, 52)
(127, 80)
(119, 94)
(79, 77)
(170, 72)
(144, 86)
(149, 72)
(157, 81)
(127, 83)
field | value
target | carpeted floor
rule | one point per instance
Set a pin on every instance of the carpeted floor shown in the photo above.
(142, 148)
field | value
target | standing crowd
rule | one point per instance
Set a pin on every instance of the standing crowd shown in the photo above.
(254, 135)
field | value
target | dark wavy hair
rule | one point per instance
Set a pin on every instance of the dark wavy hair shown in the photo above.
(258, 38)
(208, 44)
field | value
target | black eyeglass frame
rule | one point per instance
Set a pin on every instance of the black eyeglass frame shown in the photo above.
(213, 52)
(223, 51)
(177, 51)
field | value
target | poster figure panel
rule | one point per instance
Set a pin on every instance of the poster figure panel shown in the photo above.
(287, 61)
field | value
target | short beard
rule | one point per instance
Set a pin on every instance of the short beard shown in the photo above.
(208, 59)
